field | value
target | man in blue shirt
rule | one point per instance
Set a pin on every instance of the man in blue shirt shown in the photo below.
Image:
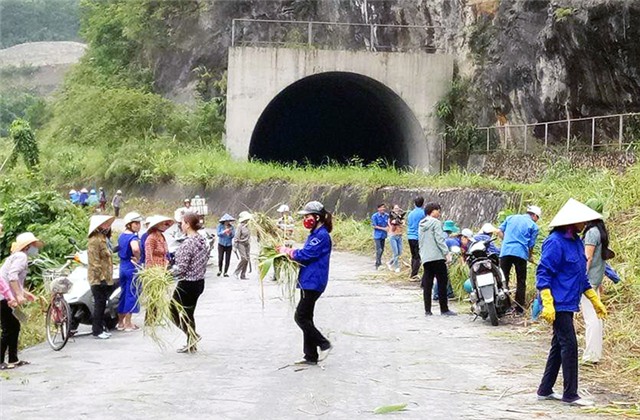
(413, 220)
(519, 233)
(380, 223)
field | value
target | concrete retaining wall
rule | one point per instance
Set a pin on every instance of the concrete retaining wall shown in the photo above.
(468, 207)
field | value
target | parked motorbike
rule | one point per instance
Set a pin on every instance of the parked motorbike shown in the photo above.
(488, 298)
(80, 298)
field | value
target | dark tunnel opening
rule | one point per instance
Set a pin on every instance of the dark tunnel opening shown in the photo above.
(336, 116)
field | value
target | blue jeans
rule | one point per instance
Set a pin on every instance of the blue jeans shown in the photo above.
(379, 251)
(396, 247)
(563, 353)
(449, 290)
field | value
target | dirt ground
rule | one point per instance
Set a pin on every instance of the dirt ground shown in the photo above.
(386, 352)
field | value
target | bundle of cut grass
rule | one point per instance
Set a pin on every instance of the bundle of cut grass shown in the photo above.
(157, 285)
(285, 270)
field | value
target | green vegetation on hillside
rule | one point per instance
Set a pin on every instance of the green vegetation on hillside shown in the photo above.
(38, 20)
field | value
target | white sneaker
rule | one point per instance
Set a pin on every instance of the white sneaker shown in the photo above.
(322, 354)
(389, 266)
(102, 336)
(581, 402)
(551, 397)
(397, 270)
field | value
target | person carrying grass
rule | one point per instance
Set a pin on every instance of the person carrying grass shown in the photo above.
(313, 277)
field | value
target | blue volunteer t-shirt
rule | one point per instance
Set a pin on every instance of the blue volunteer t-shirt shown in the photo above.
(413, 220)
(520, 234)
(381, 220)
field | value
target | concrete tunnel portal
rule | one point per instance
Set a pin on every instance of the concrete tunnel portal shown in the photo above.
(336, 116)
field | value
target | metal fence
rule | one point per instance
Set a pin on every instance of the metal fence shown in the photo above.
(606, 132)
(334, 35)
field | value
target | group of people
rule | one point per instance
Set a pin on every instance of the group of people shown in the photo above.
(569, 274)
(96, 199)
(432, 244)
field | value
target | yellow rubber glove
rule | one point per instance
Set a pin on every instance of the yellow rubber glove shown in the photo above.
(601, 311)
(548, 310)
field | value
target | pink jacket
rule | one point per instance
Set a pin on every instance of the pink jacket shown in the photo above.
(5, 290)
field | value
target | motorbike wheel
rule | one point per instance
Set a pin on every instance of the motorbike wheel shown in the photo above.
(57, 322)
(493, 314)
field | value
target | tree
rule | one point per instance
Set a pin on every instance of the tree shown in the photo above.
(24, 144)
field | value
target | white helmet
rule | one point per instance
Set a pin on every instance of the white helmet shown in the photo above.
(488, 228)
(73, 192)
(283, 208)
(132, 217)
(534, 210)
(244, 216)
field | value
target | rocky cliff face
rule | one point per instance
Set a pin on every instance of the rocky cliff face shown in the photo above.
(533, 60)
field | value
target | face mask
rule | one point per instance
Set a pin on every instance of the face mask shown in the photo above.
(32, 251)
(309, 223)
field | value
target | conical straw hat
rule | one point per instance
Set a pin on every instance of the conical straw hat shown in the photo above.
(157, 219)
(227, 218)
(573, 212)
(96, 221)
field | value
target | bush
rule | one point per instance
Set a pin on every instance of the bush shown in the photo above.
(45, 213)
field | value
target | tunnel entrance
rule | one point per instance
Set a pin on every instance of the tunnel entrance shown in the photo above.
(336, 116)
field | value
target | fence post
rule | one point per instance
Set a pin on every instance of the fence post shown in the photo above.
(593, 134)
(310, 34)
(546, 136)
(488, 146)
(371, 36)
(568, 134)
(233, 33)
(525, 137)
(620, 128)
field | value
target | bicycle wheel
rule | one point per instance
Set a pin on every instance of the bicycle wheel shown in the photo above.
(58, 322)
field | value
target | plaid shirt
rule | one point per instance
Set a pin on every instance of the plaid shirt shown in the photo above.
(155, 250)
(191, 259)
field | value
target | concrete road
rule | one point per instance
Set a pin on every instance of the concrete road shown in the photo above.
(386, 352)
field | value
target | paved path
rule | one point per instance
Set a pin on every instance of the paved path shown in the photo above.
(386, 352)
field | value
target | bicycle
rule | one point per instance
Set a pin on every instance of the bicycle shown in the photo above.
(58, 313)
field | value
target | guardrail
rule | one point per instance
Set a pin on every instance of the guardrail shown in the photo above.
(296, 33)
(600, 132)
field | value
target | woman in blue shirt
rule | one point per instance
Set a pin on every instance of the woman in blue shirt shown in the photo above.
(129, 253)
(562, 279)
(313, 278)
(226, 232)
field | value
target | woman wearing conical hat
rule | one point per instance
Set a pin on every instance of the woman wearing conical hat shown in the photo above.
(562, 279)
(156, 250)
(100, 270)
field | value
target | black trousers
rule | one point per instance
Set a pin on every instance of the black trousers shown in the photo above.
(563, 353)
(506, 263)
(10, 333)
(116, 211)
(101, 293)
(187, 294)
(312, 338)
(437, 269)
(415, 257)
(224, 252)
